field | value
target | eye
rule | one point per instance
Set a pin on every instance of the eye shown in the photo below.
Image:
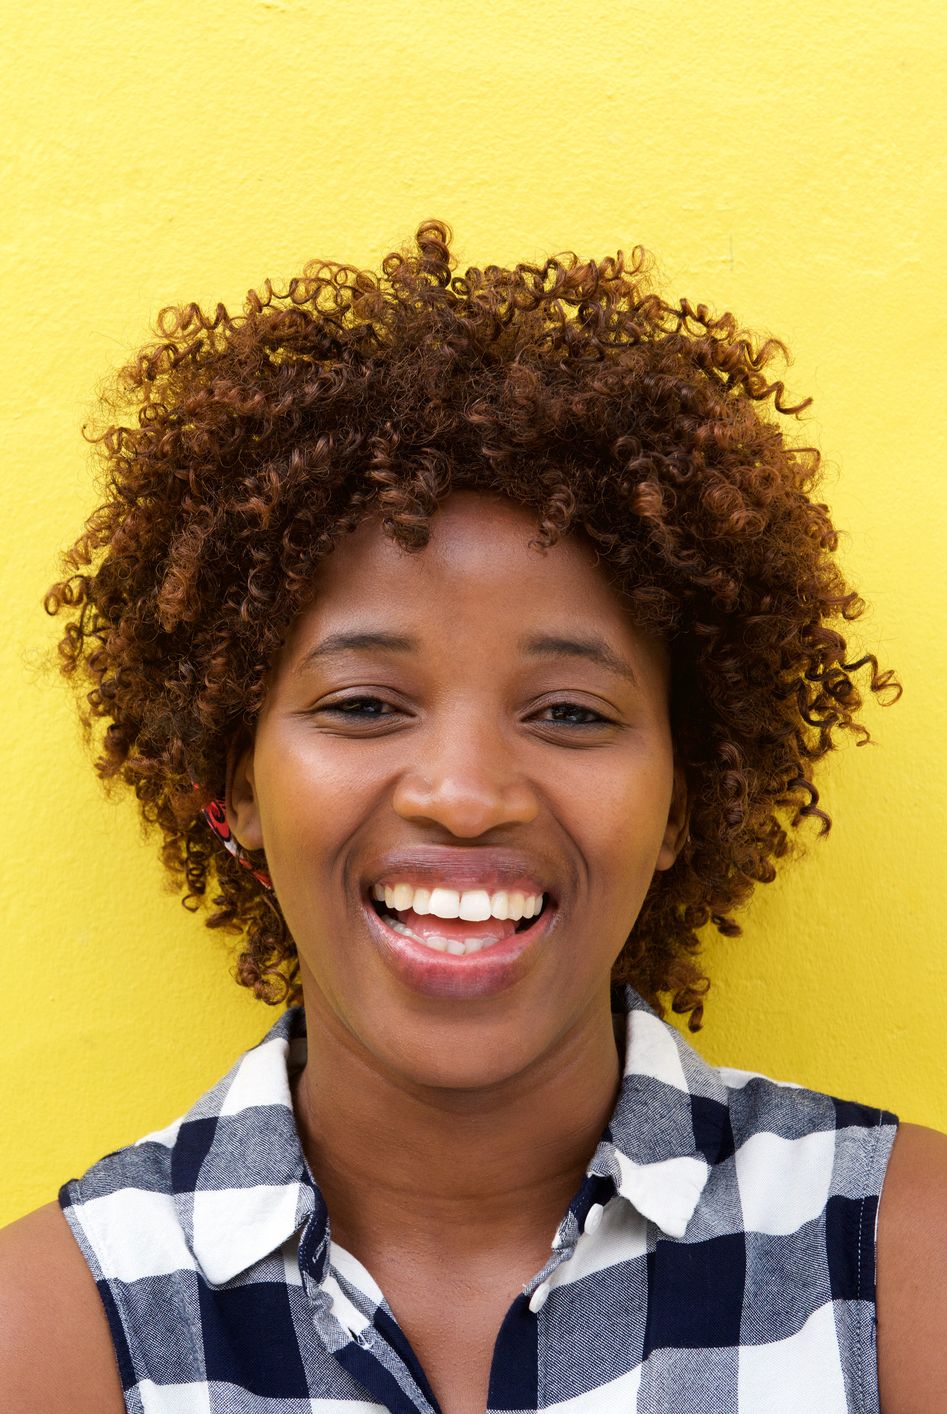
(573, 714)
(358, 709)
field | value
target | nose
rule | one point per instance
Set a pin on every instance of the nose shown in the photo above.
(467, 782)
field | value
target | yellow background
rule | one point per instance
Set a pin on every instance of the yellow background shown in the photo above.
(785, 161)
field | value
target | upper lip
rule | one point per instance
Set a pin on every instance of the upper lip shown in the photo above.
(451, 866)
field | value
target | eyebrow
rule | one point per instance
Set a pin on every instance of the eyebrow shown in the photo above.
(546, 645)
(373, 640)
(593, 648)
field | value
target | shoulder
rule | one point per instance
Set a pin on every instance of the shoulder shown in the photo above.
(56, 1351)
(912, 1258)
(781, 1131)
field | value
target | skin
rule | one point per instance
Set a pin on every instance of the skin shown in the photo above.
(488, 1107)
(430, 1119)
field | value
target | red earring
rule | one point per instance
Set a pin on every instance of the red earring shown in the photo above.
(216, 816)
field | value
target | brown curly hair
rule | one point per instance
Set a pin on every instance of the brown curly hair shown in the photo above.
(251, 443)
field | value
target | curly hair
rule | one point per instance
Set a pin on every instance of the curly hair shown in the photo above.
(240, 449)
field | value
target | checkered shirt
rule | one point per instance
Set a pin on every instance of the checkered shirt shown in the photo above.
(719, 1256)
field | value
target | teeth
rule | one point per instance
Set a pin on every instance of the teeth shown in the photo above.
(422, 901)
(472, 906)
(475, 906)
(402, 895)
(445, 903)
(451, 945)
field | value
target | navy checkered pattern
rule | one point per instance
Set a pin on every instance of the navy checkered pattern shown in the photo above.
(718, 1257)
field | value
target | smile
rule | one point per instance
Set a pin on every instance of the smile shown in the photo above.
(458, 943)
(453, 921)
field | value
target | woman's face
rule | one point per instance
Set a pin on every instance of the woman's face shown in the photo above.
(478, 728)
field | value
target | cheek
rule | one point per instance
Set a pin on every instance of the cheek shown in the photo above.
(310, 802)
(621, 821)
(298, 776)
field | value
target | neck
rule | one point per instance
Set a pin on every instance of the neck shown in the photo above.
(403, 1164)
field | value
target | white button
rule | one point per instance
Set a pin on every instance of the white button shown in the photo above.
(594, 1218)
(538, 1299)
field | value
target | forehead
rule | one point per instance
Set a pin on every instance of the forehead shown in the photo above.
(479, 548)
(477, 580)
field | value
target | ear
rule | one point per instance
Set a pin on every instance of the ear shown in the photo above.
(243, 813)
(675, 832)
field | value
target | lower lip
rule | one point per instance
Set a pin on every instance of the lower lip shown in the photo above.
(478, 974)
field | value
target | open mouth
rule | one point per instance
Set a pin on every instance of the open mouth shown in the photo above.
(439, 924)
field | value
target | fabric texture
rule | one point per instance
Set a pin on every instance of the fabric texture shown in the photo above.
(719, 1256)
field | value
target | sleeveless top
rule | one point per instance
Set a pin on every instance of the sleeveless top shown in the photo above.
(718, 1257)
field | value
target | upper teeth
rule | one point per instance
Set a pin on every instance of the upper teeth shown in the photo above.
(473, 905)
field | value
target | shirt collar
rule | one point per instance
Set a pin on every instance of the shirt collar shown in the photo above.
(670, 1120)
(243, 1188)
(241, 1183)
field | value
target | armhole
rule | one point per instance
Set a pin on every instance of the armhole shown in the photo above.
(885, 1132)
(70, 1202)
(878, 1153)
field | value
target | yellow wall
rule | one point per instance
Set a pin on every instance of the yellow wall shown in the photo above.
(782, 160)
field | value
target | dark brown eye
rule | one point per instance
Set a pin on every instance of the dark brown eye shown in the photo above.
(358, 709)
(573, 714)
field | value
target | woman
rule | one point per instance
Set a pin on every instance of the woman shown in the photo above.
(473, 640)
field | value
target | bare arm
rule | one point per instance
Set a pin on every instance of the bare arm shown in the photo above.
(56, 1351)
(912, 1275)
